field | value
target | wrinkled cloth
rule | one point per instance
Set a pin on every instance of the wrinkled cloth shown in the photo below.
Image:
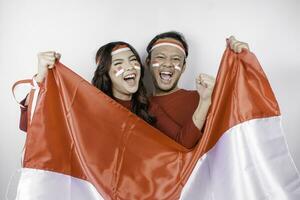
(78, 131)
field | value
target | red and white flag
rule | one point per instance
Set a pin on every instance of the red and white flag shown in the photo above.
(83, 145)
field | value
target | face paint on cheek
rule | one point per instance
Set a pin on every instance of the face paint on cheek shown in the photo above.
(118, 71)
(155, 65)
(177, 68)
(137, 67)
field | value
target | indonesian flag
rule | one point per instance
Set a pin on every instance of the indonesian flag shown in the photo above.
(82, 145)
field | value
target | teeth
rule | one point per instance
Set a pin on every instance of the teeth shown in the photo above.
(166, 73)
(129, 76)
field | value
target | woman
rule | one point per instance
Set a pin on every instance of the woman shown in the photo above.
(119, 74)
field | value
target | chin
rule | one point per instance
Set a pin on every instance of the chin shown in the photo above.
(132, 90)
(165, 87)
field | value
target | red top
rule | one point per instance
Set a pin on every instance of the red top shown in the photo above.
(182, 131)
(180, 107)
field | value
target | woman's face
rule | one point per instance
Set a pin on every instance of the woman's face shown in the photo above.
(125, 73)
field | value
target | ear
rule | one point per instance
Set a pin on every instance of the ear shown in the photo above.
(183, 67)
(147, 63)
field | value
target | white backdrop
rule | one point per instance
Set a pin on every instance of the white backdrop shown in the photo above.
(77, 29)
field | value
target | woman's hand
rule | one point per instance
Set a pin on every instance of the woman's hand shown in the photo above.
(46, 61)
(236, 45)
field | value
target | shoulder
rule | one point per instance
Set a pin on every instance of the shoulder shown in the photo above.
(188, 93)
(181, 95)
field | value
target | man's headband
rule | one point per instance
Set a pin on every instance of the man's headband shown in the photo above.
(168, 43)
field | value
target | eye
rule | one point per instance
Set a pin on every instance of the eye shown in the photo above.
(160, 57)
(117, 63)
(133, 59)
(177, 59)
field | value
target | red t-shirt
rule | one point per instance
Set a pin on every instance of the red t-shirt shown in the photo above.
(164, 123)
(180, 107)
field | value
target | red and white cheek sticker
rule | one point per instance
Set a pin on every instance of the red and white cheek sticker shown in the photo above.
(137, 67)
(120, 70)
(156, 64)
(177, 67)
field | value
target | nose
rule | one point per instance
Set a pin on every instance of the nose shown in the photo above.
(168, 63)
(128, 66)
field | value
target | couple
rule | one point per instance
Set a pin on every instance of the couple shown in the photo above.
(178, 113)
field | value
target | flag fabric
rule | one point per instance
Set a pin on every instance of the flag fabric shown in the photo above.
(82, 145)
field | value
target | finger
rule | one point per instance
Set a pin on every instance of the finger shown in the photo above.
(235, 44)
(49, 62)
(49, 58)
(231, 41)
(231, 38)
(51, 66)
(210, 85)
(210, 79)
(207, 84)
(242, 46)
(199, 78)
(208, 76)
(48, 53)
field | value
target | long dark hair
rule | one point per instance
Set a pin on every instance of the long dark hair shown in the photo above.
(101, 80)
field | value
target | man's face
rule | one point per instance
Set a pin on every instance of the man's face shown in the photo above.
(166, 66)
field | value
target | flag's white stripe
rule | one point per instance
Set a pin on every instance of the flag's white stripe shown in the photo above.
(250, 161)
(37, 184)
(35, 97)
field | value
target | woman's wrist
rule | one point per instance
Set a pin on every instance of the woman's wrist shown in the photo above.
(39, 77)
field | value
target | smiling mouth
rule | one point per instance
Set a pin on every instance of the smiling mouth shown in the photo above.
(130, 79)
(166, 76)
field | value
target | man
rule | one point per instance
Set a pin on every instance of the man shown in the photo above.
(167, 53)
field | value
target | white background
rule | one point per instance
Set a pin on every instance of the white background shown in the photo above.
(77, 29)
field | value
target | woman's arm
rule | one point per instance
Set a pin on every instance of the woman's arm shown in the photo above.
(46, 61)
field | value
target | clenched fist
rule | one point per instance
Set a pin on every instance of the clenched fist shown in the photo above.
(205, 85)
(46, 61)
(236, 45)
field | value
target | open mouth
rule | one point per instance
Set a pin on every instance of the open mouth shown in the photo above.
(130, 79)
(166, 76)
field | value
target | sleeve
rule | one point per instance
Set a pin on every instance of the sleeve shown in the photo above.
(24, 116)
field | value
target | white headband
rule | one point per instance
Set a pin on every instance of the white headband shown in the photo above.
(168, 44)
(120, 50)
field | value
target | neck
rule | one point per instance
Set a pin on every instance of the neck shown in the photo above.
(159, 92)
(122, 96)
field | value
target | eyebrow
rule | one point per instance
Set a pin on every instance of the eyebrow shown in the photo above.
(116, 60)
(132, 56)
(176, 55)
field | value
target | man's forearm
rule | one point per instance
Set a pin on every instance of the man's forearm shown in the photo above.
(200, 113)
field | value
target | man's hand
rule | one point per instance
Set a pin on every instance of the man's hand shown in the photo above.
(236, 45)
(205, 85)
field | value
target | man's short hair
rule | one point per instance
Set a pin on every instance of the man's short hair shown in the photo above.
(170, 34)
